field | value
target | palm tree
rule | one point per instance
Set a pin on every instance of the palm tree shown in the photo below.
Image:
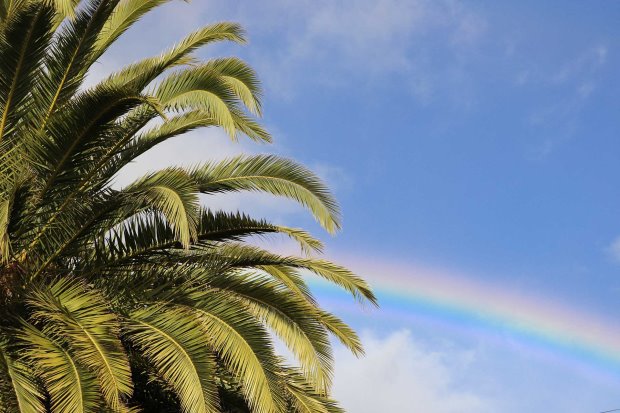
(142, 298)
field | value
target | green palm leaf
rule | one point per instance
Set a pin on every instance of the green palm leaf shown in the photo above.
(173, 343)
(173, 193)
(22, 47)
(22, 394)
(291, 318)
(80, 317)
(245, 349)
(273, 175)
(70, 386)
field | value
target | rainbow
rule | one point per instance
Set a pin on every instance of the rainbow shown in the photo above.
(538, 323)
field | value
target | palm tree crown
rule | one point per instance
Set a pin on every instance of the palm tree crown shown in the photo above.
(143, 298)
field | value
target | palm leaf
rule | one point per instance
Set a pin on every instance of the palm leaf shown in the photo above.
(273, 175)
(292, 319)
(303, 398)
(22, 48)
(126, 13)
(80, 317)
(147, 70)
(172, 342)
(245, 349)
(71, 388)
(24, 395)
(243, 256)
(68, 59)
(173, 193)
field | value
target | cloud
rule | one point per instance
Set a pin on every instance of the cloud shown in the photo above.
(335, 177)
(613, 250)
(584, 65)
(569, 89)
(399, 374)
(361, 43)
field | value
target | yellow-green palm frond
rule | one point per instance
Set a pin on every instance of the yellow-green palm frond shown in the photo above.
(143, 234)
(126, 13)
(240, 79)
(173, 193)
(172, 127)
(244, 256)
(147, 70)
(293, 319)
(274, 175)
(199, 89)
(248, 126)
(175, 345)
(20, 392)
(307, 242)
(245, 348)
(64, 9)
(345, 334)
(79, 316)
(303, 398)
(71, 387)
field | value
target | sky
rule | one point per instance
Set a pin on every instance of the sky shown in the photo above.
(473, 147)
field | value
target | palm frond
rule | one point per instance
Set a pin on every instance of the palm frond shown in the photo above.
(22, 47)
(293, 319)
(245, 349)
(65, 8)
(172, 342)
(274, 175)
(244, 256)
(303, 398)
(126, 13)
(145, 71)
(70, 386)
(68, 57)
(173, 193)
(345, 334)
(24, 395)
(241, 80)
(80, 317)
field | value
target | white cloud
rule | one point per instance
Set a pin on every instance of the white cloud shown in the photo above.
(400, 375)
(423, 46)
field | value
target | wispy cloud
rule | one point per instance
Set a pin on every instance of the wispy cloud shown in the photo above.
(363, 42)
(584, 65)
(613, 250)
(570, 87)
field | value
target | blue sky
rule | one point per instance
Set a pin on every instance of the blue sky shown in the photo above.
(475, 137)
